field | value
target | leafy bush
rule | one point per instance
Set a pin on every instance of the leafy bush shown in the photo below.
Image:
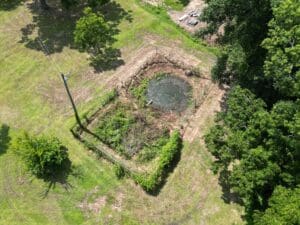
(44, 156)
(119, 171)
(92, 32)
(150, 181)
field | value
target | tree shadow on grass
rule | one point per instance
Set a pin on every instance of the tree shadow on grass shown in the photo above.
(59, 177)
(6, 5)
(53, 29)
(4, 138)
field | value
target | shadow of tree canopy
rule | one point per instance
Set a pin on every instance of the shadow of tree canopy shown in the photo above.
(53, 29)
(111, 57)
(59, 177)
(6, 5)
(228, 195)
(4, 138)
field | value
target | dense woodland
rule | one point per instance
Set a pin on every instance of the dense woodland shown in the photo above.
(256, 139)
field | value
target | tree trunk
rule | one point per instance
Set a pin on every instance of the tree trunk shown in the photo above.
(44, 4)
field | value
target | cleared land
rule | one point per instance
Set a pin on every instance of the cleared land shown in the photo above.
(32, 98)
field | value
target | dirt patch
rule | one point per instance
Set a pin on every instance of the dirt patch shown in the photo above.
(195, 6)
(210, 106)
(117, 206)
(96, 205)
(192, 12)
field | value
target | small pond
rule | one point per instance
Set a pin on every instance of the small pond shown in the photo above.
(169, 93)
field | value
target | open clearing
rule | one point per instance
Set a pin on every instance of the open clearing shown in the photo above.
(32, 97)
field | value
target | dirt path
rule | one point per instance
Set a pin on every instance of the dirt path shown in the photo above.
(198, 123)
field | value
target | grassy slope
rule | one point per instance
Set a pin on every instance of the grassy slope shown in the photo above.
(30, 92)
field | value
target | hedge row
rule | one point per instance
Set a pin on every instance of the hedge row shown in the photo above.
(151, 181)
(148, 181)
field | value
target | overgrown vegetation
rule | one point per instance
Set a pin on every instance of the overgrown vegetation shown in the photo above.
(119, 171)
(113, 127)
(168, 152)
(140, 91)
(130, 131)
(256, 139)
(44, 156)
(149, 152)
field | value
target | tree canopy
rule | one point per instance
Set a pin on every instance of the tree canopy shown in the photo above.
(283, 48)
(245, 27)
(92, 34)
(284, 208)
(256, 139)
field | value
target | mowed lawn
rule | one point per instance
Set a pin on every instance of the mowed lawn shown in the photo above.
(32, 98)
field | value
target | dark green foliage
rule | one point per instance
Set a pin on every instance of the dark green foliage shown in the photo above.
(262, 147)
(284, 208)
(245, 28)
(113, 127)
(97, 3)
(69, 3)
(283, 45)
(241, 104)
(256, 145)
(44, 156)
(4, 138)
(92, 34)
(9, 4)
(168, 152)
(119, 171)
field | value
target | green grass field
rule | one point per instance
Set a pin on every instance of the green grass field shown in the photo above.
(32, 97)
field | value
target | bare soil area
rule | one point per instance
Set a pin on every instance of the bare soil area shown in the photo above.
(194, 5)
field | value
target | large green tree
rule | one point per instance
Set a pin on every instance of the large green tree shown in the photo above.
(256, 142)
(257, 149)
(93, 34)
(283, 48)
(245, 27)
(284, 208)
